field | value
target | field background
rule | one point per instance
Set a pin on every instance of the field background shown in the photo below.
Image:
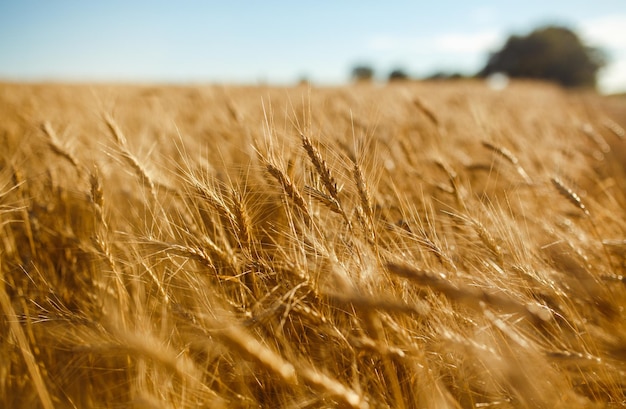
(435, 245)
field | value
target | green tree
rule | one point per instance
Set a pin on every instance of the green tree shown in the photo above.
(551, 53)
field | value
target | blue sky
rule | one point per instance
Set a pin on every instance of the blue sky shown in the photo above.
(281, 41)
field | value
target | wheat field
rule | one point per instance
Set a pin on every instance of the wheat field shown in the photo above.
(418, 245)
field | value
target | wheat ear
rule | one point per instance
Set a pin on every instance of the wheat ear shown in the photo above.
(96, 195)
(596, 138)
(570, 195)
(288, 188)
(321, 166)
(323, 198)
(364, 212)
(131, 159)
(426, 111)
(615, 128)
(512, 159)
(364, 194)
(574, 199)
(240, 340)
(242, 220)
(56, 146)
(470, 296)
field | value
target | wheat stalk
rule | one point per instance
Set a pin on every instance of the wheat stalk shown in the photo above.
(26, 350)
(453, 178)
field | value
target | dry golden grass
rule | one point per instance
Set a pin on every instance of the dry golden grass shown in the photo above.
(408, 246)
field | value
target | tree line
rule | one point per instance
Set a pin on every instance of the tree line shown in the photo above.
(551, 53)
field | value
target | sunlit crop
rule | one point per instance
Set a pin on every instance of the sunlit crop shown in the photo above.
(406, 246)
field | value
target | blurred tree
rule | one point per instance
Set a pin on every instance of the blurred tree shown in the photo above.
(398, 75)
(551, 53)
(362, 73)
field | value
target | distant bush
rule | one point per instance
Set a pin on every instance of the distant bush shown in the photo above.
(442, 75)
(398, 75)
(362, 73)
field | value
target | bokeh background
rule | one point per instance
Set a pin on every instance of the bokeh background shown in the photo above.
(285, 42)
